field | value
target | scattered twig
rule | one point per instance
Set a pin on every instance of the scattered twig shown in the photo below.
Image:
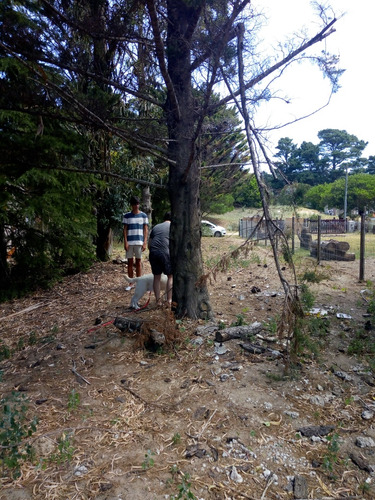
(28, 309)
(78, 374)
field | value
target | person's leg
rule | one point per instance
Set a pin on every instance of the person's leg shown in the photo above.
(157, 279)
(169, 288)
(138, 267)
(130, 268)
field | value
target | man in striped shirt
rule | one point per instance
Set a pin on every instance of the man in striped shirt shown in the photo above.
(135, 236)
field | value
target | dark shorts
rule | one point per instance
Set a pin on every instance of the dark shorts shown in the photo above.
(160, 263)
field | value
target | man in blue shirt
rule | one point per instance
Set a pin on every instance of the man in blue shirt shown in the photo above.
(135, 236)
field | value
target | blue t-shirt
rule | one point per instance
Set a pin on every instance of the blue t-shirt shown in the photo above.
(135, 223)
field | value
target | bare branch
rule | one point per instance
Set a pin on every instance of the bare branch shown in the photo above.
(324, 33)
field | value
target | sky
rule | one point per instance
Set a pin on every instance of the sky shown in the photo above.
(352, 108)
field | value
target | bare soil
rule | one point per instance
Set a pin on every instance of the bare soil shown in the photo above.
(117, 421)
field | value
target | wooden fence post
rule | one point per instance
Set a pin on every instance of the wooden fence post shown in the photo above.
(362, 249)
(293, 235)
(319, 239)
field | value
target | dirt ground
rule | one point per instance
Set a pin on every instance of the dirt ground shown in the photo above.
(197, 419)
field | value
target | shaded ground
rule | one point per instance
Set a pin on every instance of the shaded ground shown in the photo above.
(117, 421)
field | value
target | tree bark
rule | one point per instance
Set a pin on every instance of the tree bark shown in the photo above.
(189, 292)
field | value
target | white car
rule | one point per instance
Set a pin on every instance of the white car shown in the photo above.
(210, 229)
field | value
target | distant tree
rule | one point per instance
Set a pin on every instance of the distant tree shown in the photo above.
(293, 194)
(371, 165)
(340, 150)
(287, 160)
(361, 193)
(317, 197)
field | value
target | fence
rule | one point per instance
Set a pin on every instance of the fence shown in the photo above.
(324, 239)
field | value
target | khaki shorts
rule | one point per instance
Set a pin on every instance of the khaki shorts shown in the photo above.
(134, 251)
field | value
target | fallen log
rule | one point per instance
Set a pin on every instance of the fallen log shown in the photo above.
(332, 250)
(238, 332)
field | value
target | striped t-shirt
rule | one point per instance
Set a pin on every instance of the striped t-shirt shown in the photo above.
(135, 223)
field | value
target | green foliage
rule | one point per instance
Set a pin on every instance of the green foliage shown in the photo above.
(148, 462)
(247, 193)
(240, 321)
(74, 400)
(5, 352)
(65, 451)
(176, 438)
(15, 427)
(331, 458)
(184, 491)
(307, 297)
(361, 193)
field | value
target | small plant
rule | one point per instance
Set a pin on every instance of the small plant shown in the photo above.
(176, 439)
(5, 352)
(65, 451)
(33, 339)
(184, 491)
(14, 428)
(148, 462)
(331, 458)
(307, 297)
(272, 325)
(74, 400)
(240, 321)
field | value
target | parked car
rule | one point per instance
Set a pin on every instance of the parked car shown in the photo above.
(210, 229)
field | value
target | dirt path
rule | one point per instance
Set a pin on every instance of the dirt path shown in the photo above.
(217, 421)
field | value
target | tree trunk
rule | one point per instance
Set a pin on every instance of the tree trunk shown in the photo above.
(189, 293)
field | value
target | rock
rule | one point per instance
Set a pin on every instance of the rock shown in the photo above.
(292, 414)
(80, 470)
(343, 376)
(234, 476)
(195, 451)
(361, 462)
(220, 349)
(367, 415)
(300, 488)
(364, 442)
(316, 430)
(43, 447)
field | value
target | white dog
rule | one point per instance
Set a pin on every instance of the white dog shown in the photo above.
(144, 284)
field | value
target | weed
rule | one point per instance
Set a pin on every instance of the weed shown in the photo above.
(14, 428)
(148, 462)
(302, 341)
(33, 339)
(240, 321)
(331, 458)
(313, 276)
(272, 325)
(275, 377)
(176, 439)
(307, 297)
(65, 451)
(5, 352)
(222, 325)
(286, 253)
(74, 400)
(184, 491)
